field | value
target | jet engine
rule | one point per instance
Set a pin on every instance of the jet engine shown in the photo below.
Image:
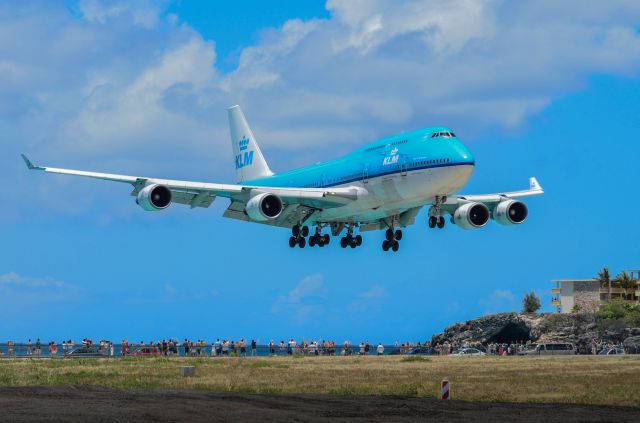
(263, 207)
(154, 197)
(471, 216)
(510, 212)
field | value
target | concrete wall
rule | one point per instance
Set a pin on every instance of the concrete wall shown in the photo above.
(566, 297)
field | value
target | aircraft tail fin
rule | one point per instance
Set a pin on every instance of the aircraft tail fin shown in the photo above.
(249, 161)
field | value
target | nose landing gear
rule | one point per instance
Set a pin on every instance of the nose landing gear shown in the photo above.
(436, 221)
(435, 213)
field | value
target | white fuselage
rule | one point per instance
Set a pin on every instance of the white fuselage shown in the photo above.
(393, 194)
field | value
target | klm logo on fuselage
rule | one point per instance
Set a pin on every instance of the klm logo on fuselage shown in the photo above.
(246, 158)
(392, 158)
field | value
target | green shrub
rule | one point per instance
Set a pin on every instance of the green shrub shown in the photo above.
(618, 314)
(530, 303)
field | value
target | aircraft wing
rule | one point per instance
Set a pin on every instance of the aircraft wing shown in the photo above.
(492, 199)
(202, 194)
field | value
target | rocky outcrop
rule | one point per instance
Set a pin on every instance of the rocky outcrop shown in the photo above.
(581, 329)
(503, 327)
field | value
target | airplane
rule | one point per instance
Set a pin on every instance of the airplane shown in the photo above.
(380, 186)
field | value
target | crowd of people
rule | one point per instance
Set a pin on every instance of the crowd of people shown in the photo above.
(243, 348)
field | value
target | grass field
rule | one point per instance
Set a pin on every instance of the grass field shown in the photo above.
(575, 379)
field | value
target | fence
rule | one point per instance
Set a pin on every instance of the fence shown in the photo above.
(116, 350)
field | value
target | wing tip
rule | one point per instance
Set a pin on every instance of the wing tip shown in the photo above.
(27, 162)
(534, 185)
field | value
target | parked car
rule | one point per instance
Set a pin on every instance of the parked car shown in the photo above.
(551, 348)
(90, 351)
(420, 351)
(611, 351)
(468, 352)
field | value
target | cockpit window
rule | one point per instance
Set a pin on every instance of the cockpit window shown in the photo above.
(443, 134)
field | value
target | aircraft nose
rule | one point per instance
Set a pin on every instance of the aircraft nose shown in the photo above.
(465, 156)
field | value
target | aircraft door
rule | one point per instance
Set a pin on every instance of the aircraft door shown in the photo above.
(403, 166)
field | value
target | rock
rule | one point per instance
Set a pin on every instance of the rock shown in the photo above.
(580, 329)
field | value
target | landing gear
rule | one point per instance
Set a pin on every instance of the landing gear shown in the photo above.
(436, 221)
(298, 236)
(349, 240)
(435, 213)
(391, 241)
(319, 239)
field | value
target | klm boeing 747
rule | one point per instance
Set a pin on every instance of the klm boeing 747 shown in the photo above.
(381, 186)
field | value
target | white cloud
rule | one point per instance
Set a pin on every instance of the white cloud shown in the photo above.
(170, 294)
(500, 300)
(303, 301)
(144, 12)
(20, 293)
(121, 87)
(15, 280)
(368, 300)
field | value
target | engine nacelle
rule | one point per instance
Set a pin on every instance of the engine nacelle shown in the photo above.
(263, 207)
(154, 197)
(510, 212)
(471, 216)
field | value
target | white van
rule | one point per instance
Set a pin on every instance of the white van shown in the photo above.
(551, 348)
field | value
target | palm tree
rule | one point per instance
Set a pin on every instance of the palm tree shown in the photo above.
(626, 281)
(605, 279)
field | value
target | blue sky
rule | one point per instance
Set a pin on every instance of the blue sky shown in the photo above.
(533, 89)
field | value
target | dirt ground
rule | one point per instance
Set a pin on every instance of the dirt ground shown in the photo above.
(100, 404)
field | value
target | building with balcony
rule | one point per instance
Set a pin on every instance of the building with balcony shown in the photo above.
(588, 295)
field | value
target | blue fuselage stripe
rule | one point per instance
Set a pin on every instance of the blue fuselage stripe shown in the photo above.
(408, 152)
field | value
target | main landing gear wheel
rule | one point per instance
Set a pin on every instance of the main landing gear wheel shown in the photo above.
(392, 238)
(298, 236)
(389, 234)
(433, 221)
(351, 241)
(440, 222)
(393, 245)
(319, 239)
